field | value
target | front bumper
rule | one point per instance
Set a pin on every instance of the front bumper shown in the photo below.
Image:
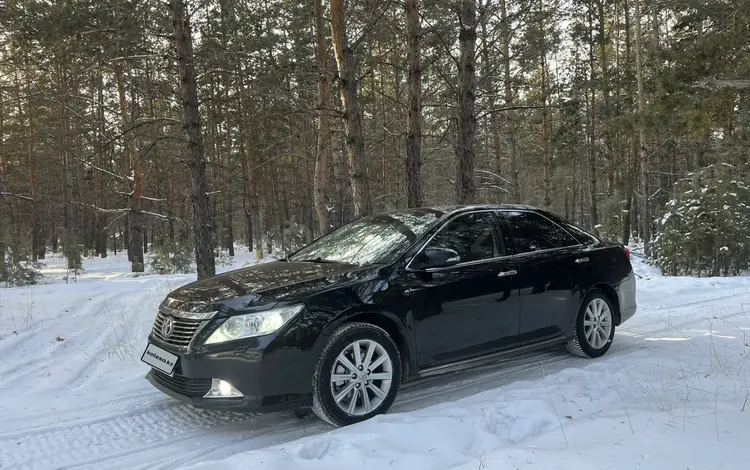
(270, 377)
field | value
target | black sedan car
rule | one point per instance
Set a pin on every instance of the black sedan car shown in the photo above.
(387, 299)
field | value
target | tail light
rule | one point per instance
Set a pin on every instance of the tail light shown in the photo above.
(627, 252)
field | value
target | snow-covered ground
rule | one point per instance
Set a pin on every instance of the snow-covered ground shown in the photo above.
(672, 393)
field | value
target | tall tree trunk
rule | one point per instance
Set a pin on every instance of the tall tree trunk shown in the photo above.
(467, 121)
(70, 224)
(512, 139)
(642, 156)
(631, 161)
(247, 150)
(226, 14)
(348, 88)
(321, 180)
(246, 197)
(594, 216)
(491, 91)
(135, 178)
(101, 231)
(414, 134)
(662, 152)
(546, 153)
(605, 87)
(204, 249)
(3, 268)
(37, 243)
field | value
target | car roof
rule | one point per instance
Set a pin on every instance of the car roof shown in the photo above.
(450, 210)
(466, 207)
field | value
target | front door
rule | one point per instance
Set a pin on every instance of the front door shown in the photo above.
(469, 306)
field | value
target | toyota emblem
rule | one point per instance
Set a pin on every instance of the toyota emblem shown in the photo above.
(167, 327)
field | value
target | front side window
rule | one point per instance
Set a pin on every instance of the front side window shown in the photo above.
(470, 237)
(532, 232)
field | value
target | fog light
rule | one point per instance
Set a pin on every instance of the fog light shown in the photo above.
(222, 389)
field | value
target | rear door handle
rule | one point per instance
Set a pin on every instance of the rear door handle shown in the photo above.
(582, 260)
(510, 272)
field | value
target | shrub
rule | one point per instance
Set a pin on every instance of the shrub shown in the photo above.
(19, 273)
(706, 228)
(172, 258)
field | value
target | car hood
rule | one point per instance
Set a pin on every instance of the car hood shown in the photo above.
(260, 284)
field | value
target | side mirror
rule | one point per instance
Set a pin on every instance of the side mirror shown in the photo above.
(437, 258)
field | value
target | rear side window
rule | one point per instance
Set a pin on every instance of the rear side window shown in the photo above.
(531, 232)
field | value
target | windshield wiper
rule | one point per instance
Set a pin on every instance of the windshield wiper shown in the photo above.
(316, 260)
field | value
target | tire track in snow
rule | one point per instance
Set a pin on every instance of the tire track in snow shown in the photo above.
(94, 318)
(68, 444)
(169, 425)
(165, 433)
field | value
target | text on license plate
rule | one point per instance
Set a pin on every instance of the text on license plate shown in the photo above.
(159, 358)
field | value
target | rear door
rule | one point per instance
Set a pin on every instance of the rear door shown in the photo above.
(469, 308)
(554, 273)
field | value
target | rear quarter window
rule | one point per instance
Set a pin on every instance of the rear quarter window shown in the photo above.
(584, 237)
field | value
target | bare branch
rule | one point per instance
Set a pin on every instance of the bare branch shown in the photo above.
(17, 98)
(19, 196)
(114, 175)
(101, 209)
(113, 221)
(513, 108)
(738, 84)
(123, 193)
(494, 174)
(142, 56)
(160, 216)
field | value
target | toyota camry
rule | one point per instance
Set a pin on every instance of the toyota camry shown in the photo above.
(390, 298)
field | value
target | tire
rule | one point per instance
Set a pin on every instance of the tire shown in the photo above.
(379, 392)
(591, 336)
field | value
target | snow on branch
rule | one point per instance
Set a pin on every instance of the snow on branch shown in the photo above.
(101, 209)
(160, 216)
(130, 194)
(124, 211)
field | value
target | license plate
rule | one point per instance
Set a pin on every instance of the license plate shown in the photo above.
(159, 358)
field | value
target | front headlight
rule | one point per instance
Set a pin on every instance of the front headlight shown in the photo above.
(253, 324)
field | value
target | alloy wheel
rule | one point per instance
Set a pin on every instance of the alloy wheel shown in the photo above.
(361, 377)
(597, 323)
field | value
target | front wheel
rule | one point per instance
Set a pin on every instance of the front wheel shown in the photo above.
(357, 376)
(595, 327)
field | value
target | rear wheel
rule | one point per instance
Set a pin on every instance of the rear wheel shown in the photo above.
(357, 376)
(595, 327)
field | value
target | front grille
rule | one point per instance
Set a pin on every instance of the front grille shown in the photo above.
(182, 385)
(182, 333)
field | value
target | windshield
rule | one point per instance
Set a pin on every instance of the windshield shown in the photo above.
(373, 239)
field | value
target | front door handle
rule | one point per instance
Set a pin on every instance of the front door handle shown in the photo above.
(582, 260)
(510, 272)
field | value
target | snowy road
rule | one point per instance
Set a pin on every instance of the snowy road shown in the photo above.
(72, 393)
